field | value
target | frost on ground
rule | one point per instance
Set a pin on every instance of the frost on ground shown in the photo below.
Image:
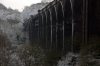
(72, 59)
(69, 60)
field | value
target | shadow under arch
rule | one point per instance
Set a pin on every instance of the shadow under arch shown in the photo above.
(61, 26)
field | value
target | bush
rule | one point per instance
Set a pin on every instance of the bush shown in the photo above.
(32, 55)
(5, 47)
(90, 53)
(52, 57)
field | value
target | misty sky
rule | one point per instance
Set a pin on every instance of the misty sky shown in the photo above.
(18, 4)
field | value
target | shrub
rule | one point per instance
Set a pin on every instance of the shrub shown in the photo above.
(5, 47)
(32, 55)
(90, 53)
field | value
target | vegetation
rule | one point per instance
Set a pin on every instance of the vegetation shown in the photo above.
(29, 55)
(77, 41)
(90, 54)
(5, 48)
(52, 58)
(32, 55)
(26, 55)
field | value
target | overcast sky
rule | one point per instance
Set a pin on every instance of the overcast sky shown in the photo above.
(18, 4)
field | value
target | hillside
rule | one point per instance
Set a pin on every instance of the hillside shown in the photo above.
(11, 23)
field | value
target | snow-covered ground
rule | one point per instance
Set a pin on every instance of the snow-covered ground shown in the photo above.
(69, 60)
(72, 59)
